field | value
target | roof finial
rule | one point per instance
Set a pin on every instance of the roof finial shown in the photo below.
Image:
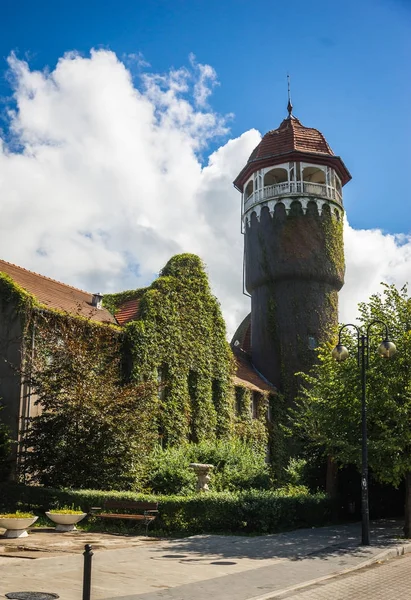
(289, 105)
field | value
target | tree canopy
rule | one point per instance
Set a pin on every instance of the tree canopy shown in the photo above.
(328, 411)
(94, 427)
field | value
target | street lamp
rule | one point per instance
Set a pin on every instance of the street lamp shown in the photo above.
(386, 349)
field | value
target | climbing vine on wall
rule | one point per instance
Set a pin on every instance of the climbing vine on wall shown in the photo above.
(251, 416)
(179, 337)
(299, 260)
(12, 294)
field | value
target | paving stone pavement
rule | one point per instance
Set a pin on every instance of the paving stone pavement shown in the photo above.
(199, 567)
(388, 581)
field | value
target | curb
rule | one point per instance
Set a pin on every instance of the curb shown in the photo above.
(389, 553)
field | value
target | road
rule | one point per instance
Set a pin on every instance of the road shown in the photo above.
(390, 580)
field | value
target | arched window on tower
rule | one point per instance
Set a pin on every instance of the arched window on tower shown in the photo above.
(314, 181)
(274, 176)
(249, 188)
(314, 175)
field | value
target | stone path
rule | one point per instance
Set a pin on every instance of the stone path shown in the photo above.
(200, 567)
(46, 542)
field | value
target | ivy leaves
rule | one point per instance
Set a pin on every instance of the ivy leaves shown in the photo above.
(181, 331)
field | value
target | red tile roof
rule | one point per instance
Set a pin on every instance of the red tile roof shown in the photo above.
(247, 376)
(56, 295)
(291, 136)
(292, 141)
(128, 311)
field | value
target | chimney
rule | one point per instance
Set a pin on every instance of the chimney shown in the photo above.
(97, 301)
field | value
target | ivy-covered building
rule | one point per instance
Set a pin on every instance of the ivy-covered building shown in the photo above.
(171, 332)
(292, 220)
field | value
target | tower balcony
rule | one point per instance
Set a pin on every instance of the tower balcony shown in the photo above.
(292, 188)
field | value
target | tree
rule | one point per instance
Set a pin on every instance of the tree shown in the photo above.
(95, 428)
(328, 411)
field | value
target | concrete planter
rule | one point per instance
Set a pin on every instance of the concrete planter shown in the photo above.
(16, 527)
(66, 522)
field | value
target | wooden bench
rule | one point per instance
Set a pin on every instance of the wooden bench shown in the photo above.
(142, 511)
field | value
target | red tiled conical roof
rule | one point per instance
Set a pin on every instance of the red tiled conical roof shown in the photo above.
(291, 136)
(292, 141)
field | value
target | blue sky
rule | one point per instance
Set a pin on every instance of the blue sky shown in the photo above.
(349, 62)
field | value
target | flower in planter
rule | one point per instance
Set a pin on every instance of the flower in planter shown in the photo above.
(16, 523)
(17, 515)
(66, 511)
(66, 518)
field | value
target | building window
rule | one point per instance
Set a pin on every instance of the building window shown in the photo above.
(237, 404)
(254, 405)
(161, 382)
(312, 342)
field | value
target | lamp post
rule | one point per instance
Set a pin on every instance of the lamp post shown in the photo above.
(386, 349)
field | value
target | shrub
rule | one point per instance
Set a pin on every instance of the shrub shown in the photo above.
(224, 512)
(294, 471)
(293, 490)
(238, 465)
(168, 472)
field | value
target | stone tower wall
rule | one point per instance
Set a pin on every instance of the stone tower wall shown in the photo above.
(294, 270)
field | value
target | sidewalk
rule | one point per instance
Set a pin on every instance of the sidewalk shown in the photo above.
(200, 567)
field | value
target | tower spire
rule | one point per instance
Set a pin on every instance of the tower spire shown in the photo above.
(289, 105)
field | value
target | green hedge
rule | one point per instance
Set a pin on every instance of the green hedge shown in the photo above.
(238, 465)
(252, 511)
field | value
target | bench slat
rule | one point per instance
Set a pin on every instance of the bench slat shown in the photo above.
(134, 517)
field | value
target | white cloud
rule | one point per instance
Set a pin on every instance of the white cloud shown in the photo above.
(207, 79)
(372, 257)
(108, 184)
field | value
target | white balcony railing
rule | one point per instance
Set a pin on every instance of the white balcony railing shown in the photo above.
(292, 188)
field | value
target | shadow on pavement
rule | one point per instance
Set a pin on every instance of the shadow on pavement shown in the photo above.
(325, 542)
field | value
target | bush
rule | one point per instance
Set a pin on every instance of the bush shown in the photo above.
(295, 470)
(225, 512)
(238, 465)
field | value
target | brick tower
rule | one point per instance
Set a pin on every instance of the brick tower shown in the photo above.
(292, 214)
